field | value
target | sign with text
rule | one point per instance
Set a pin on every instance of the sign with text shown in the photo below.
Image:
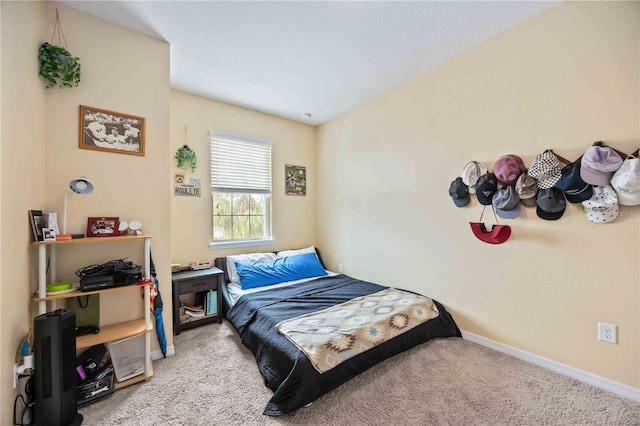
(192, 189)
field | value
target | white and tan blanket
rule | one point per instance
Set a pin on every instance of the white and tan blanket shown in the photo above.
(335, 334)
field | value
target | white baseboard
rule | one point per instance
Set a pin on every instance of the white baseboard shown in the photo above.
(157, 354)
(598, 381)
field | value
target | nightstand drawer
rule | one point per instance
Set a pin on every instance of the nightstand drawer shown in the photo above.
(193, 286)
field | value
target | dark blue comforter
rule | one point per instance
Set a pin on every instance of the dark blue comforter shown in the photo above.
(286, 370)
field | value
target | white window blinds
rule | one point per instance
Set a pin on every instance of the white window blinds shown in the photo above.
(240, 164)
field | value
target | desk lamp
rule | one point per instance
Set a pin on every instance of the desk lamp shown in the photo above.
(80, 186)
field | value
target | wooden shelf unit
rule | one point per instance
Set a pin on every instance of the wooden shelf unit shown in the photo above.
(108, 333)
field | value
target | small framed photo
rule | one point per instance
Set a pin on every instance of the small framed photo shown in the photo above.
(111, 131)
(103, 226)
(49, 234)
(295, 180)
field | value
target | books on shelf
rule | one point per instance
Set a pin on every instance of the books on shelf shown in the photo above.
(206, 304)
(35, 217)
(212, 302)
(193, 313)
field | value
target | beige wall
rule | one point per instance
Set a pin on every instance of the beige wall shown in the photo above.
(293, 143)
(40, 155)
(562, 80)
(23, 175)
(126, 72)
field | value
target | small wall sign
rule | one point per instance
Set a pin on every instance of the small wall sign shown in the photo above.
(181, 188)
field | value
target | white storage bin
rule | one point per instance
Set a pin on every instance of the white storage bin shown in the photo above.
(127, 356)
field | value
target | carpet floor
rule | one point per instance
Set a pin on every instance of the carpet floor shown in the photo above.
(213, 380)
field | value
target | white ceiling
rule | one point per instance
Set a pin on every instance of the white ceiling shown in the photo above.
(318, 57)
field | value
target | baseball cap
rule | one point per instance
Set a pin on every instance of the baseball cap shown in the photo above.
(598, 164)
(486, 186)
(506, 202)
(602, 207)
(459, 193)
(527, 189)
(545, 168)
(508, 168)
(471, 173)
(551, 204)
(626, 182)
(575, 189)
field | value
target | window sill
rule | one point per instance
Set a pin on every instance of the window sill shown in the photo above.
(243, 243)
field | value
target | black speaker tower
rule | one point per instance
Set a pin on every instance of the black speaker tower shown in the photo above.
(55, 375)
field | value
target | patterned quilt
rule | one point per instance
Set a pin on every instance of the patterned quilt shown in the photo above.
(333, 335)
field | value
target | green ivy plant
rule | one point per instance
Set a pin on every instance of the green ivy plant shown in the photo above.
(58, 66)
(186, 157)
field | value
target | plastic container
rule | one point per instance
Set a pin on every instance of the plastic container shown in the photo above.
(127, 356)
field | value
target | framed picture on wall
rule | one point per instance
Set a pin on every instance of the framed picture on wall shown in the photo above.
(295, 180)
(111, 131)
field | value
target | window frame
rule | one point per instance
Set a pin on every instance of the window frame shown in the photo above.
(268, 194)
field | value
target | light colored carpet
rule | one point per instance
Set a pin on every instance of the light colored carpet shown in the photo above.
(213, 380)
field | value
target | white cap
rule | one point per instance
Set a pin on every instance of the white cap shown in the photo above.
(471, 173)
(626, 182)
(602, 207)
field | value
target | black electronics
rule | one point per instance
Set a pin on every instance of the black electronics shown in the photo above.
(96, 282)
(55, 369)
(87, 329)
(114, 273)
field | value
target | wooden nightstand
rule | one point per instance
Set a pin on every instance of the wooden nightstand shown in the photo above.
(195, 282)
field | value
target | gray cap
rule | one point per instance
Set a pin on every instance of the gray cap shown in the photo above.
(551, 204)
(506, 202)
(527, 188)
(459, 193)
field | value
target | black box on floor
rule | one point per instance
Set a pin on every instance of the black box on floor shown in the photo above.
(95, 389)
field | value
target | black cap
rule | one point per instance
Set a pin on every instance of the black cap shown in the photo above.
(551, 204)
(486, 186)
(459, 192)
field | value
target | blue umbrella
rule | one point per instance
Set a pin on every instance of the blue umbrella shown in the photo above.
(157, 313)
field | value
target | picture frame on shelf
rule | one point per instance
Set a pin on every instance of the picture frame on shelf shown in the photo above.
(103, 226)
(110, 131)
(49, 234)
(35, 218)
(50, 220)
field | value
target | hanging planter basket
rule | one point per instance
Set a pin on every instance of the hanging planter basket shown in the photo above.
(186, 157)
(57, 65)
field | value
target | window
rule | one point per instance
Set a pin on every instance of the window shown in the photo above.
(241, 189)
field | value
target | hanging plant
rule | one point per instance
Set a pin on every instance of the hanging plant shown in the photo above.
(186, 157)
(57, 65)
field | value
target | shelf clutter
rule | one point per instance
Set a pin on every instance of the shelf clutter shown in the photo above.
(601, 180)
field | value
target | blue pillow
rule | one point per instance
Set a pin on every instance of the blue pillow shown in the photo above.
(280, 270)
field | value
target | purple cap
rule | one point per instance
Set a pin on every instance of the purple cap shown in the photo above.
(508, 168)
(599, 164)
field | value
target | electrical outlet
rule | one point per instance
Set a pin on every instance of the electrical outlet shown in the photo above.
(607, 332)
(339, 267)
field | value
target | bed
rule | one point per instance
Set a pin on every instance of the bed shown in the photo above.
(260, 313)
